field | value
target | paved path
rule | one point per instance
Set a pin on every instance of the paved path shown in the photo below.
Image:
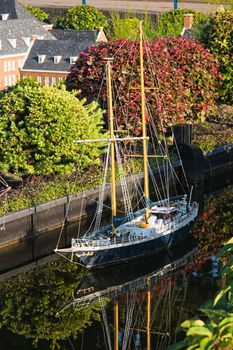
(127, 5)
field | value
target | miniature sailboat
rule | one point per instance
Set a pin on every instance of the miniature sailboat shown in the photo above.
(155, 228)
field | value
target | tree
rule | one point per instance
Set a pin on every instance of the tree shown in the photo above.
(170, 23)
(181, 79)
(38, 13)
(38, 127)
(29, 303)
(217, 35)
(82, 17)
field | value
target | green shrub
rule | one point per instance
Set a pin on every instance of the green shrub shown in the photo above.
(127, 27)
(185, 86)
(171, 23)
(82, 17)
(38, 126)
(38, 13)
(216, 33)
(215, 331)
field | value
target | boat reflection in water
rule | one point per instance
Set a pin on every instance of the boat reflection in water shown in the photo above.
(136, 290)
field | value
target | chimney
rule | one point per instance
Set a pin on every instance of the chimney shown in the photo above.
(101, 37)
(188, 20)
(47, 26)
(34, 37)
(187, 26)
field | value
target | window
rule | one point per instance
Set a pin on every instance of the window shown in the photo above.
(12, 42)
(4, 16)
(54, 80)
(20, 63)
(10, 80)
(27, 40)
(73, 59)
(47, 80)
(5, 66)
(41, 58)
(13, 65)
(39, 79)
(6, 80)
(57, 59)
(9, 66)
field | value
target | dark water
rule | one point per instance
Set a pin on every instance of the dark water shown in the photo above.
(59, 304)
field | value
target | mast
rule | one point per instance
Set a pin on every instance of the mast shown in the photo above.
(148, 315)
(144, 134)
(111, 130)
(116, 313)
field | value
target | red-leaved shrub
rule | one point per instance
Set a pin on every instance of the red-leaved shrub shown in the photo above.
(181, 79)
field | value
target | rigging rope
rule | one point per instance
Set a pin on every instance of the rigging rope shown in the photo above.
(125, 192)
(106, 324)
(99, 211)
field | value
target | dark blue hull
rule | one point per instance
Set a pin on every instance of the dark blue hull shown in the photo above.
(123, 254)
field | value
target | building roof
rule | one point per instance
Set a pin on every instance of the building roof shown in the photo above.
(48, 49)
(77, 35)
(14, 9)
(15, 35)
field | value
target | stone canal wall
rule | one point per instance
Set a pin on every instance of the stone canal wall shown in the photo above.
(52, 215)
(206, 173)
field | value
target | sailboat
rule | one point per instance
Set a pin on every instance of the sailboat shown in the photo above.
(155, 228)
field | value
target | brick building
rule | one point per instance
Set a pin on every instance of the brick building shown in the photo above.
(50, 60)
(18, 29)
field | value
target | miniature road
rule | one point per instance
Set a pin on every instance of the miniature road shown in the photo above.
(127, 5)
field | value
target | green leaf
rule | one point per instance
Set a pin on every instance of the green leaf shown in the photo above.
(206, 344)
(226, 249)
(199, 331)
(221, 294)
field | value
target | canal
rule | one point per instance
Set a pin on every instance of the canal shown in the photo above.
(53, 304)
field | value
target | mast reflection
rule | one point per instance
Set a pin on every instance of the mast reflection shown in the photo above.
(129, 297)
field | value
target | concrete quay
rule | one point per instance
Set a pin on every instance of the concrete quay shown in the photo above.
(150, 6)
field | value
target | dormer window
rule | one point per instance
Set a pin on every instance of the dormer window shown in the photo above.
(4, 16)
(0, 44)
(57, 59)
(73, 59)
(12, 42)
(41, 58)
(27, 40)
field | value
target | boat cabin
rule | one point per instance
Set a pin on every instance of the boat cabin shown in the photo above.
(164, 212)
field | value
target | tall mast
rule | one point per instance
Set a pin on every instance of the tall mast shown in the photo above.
(116, 314)
(111, 130)
(144, 134)
(148, 315)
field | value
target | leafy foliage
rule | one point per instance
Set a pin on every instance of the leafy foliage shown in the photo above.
(29, 303)
(208, 135)
(171, 23)
(38, 13)
(127, 26)
(38, 126)
(217, 331)
(215, 223)
(82, 17)
(182, 74)
(217, 35)
(37, 189)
